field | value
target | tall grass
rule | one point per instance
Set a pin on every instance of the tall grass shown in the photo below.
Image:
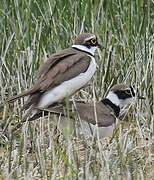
(29, 30)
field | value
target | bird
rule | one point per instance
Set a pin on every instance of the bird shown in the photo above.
(61, 75)
(99, 118)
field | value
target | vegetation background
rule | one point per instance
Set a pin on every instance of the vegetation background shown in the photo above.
(31, 29)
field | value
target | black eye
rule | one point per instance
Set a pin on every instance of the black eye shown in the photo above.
(128, 92)
(93, 41)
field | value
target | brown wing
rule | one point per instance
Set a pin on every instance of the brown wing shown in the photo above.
(44, 69)
(64, 70)
(103, 114)
(58, 68)
(86, 112)
(53, 60)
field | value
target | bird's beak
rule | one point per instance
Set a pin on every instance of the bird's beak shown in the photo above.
(140, 97)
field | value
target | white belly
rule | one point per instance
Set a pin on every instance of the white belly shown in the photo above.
(69, 87)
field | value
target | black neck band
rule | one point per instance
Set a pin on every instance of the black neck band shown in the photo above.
(83, 51)
(115, 108)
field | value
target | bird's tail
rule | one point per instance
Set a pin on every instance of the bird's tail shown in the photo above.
(26, 93)
(34, 113)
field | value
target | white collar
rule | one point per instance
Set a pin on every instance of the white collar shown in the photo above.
(113, 98)
(84, 48)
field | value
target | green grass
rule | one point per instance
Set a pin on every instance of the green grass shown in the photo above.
(31, 29)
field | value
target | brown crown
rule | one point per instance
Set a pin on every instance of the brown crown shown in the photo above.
(119, 87)
(81, 38)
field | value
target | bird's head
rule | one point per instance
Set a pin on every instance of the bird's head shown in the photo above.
(88, 41)
(122, 95)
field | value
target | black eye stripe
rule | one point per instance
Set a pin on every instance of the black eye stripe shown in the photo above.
(123, 94)
(93, 41)
(127, 91)
(89, 43)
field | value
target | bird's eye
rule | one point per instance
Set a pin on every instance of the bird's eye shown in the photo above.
(93, 41)
(128, 92)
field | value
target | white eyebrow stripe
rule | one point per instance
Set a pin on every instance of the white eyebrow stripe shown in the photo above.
(126, 89)
(90, 37)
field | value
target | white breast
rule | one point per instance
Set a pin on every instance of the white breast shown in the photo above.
(69, 87)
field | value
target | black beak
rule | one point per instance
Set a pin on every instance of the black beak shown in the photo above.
(140, 97)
